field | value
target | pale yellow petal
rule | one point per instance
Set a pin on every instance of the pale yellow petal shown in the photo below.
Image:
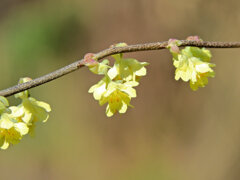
(21, 128)
(124, 108)
(113, 72)
(108, 112)
(141, 72)
(27, 118)
(97, 94)
(130, 91)
(46, 118)
(41, 104)
(131, 83)
(5, 145)
(93, 88)
(5, 122)
(17, 111)
(203, 67)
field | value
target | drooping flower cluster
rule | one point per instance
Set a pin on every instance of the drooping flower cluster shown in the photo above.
(192, 64)
(117, 86)
(17, 121)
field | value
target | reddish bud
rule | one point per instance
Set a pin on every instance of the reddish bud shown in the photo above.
(175, 49)
(173, 45)
(89, 61)
(194, 38)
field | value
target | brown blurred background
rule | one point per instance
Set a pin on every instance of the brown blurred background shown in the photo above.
(172, 133)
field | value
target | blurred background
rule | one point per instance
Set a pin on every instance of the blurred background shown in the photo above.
(172, 133)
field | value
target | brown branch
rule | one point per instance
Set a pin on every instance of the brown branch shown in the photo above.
(107, 52)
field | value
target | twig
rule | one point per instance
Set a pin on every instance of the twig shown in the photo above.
(107, 52)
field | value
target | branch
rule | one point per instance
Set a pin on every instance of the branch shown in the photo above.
(107, 52)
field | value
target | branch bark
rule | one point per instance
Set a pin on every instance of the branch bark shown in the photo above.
(107, 52)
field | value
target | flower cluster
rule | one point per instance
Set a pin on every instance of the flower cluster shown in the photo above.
(17, 121)
(192, 63)
(117, 86)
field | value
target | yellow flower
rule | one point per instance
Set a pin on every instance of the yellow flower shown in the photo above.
(192, 64)
(127, 69)
(30, 109)
(37, 110)
(99, 88)
(11, 131)
(116, 93)
(116, 87)
(34, 111)
(118, 97)
(202, 80)
(20, 120)
(193, 70)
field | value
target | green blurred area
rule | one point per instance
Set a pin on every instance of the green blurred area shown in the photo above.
(172, 133)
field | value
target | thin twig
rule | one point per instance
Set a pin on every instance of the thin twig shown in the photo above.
(107, 52)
